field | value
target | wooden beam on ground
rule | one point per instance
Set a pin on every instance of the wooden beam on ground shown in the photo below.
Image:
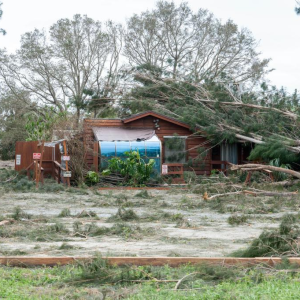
(23, 261)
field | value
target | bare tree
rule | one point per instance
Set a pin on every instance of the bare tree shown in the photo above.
(79, 54)
(142, 45)
(194, 46)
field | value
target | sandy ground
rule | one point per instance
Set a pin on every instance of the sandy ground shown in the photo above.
(207, 234)
(7, 164)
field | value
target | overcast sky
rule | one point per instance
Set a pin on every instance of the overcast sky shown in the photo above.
(273, 23)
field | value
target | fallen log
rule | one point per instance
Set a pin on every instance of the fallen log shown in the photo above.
(257, 167)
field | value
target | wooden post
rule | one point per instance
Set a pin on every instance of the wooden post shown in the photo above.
(39, 165)
(67, 165)
(96, 156)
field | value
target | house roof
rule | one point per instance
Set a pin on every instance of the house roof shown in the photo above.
(156, 115)
(122, 134)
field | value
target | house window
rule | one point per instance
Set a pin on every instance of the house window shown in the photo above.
(175, 149)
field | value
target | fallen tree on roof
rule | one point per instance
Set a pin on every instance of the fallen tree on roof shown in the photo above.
(268, 117)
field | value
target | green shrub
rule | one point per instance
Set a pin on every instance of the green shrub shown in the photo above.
(92, 178)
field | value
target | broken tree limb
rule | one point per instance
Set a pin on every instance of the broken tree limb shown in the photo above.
(254, 193)
(183, 279)
(285, 183)
(224, 194)
(267, 193)
(254, 167)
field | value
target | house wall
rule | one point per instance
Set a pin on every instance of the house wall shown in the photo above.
(166, 129)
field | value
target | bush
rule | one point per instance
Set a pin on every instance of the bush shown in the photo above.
(92, 178)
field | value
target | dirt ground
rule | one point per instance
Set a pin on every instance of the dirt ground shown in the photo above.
(170, 223)
(6, 164)
(176, 222)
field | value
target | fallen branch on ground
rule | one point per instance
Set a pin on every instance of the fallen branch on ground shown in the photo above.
(257, 167)
(183, 279)
(285, 183)
(253, 193)
(6, 222)
(10, 179)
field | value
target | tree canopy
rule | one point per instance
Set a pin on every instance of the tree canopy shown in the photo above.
(192, 46)
(186, 64)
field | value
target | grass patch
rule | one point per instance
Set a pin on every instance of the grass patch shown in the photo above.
(65, 246)
(121, 229)
(87, 214)
(19, 214)
(34, 232)
(65, 213)
(99, 280)
(237, 220)
(124, 215)
(143, 194)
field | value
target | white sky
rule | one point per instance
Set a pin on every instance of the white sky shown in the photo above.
(272, 22)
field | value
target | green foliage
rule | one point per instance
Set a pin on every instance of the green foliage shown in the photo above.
(273, 149)
(282, 241)
(279, 175)
(133, 168)
(92, 178)
(39, 127)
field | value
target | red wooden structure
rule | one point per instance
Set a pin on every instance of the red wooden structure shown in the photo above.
(49, 162)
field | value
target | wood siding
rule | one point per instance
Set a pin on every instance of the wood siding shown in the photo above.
(166, 128)
(26, 150)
